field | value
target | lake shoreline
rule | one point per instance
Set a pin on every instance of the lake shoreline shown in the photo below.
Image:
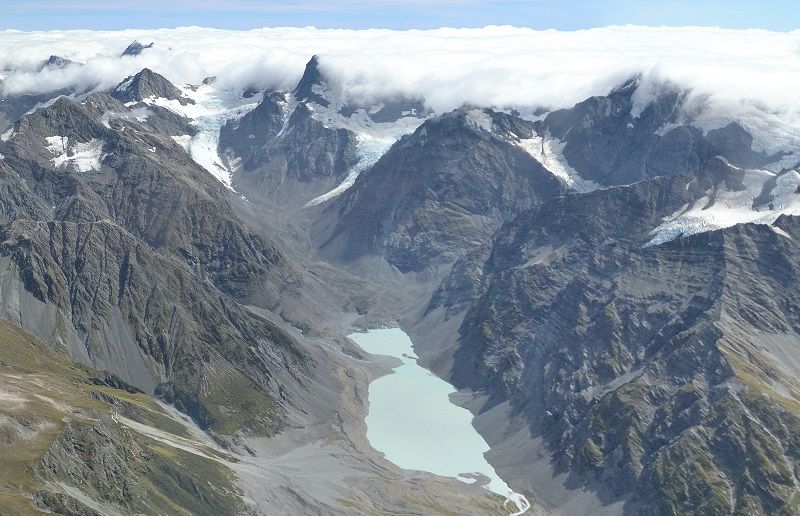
(413, 422)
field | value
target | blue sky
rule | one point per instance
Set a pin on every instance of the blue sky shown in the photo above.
(779, 15)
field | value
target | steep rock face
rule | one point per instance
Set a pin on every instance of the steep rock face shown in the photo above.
(120, 249)
(116, 114)
(136, 48)
(18, 200)
(326, 153)
(147, 84)
(612, 140)
(284, 154)
(655, 374)
(303, 159)
(311, 85)
(296, 146)
(115, 304)
(314, 88)
(241, 138)
(90, 172)
(436, 193)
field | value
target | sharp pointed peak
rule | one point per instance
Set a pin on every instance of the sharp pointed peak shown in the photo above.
(312, 66)
(147, 72)
(136, 48)
(312, 85)
(148, 83)
(55, 61)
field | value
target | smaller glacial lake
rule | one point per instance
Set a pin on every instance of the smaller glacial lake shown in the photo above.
(413, 423)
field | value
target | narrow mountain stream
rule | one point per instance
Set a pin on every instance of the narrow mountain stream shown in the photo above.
(413, 423)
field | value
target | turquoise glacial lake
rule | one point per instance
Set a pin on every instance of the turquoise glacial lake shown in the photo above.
(412, 421)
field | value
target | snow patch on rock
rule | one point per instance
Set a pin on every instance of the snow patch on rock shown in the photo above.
(480, 119)
(140, 114)
(725, 208)
(374, 138)
(184, 141)
(781, 232)
(124, 85)
(771, 135)
(82, 157)
(549, 153)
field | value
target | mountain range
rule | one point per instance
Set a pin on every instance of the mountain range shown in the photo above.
(610, 287)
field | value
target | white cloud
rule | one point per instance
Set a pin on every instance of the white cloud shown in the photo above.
(494, 66)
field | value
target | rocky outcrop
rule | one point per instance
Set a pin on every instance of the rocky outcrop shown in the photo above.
(74, 445)
(436, 194)
(304, 158)
(148, 84)
(656, 375)
(136, 48)
(114, 467)
(119, 306)
(620, 139)
(55, 62)
(296, 146)
(241, 138)
(314, 88)
(100, 460)
(284, 154)
(311, 85)
(133, 260)
(162, 197)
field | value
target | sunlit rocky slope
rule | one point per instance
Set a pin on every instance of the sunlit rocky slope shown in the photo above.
(611, 285)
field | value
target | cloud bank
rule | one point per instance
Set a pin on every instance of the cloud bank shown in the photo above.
(492, 66)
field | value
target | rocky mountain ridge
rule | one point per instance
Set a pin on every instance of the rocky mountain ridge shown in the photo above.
(660, 406)
(123, 252)
(618, 275)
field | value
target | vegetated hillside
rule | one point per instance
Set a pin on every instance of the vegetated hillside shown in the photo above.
(74, 440)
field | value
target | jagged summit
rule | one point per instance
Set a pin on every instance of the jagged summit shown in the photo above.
(313, 87)
(312, 84)
(453, 160)
(55, 62)
(136, 48)
(646, 130)
(629, 86)
(63, 117)
(146, 84)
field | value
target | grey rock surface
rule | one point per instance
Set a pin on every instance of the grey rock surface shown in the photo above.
(609, 375)
(146, 84)
(629, 361)
(436, 194)
(134, 265)
(607, 139)
(136, 48)
(292, 160)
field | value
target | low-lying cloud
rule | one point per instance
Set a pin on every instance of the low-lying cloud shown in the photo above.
(492, 66)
